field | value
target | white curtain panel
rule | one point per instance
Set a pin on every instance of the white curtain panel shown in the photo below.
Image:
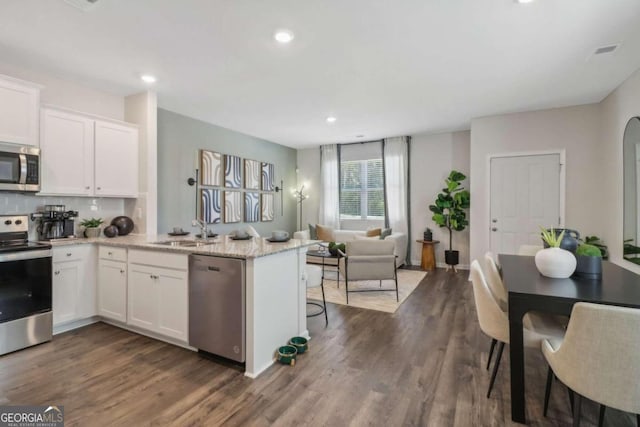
(396, 153)
(330, 195)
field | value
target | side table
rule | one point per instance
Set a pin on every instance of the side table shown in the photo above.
(428, 262)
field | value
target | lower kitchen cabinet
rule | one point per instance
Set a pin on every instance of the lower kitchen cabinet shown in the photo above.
(73, 285)
(158, 296)
(112, 289)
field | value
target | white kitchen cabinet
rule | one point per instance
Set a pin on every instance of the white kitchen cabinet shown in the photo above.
(66, 290)
(19, 105)
(141, 302)
(158, 293)
(112, 289)
(67, 153)
(74, 291)
(116, 160)
(85, 156)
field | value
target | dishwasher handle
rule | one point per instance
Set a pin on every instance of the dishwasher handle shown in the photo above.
(212, 268)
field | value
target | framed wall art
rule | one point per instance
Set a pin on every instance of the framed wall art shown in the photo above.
(252, 174)
(211, 205)
(251, 207)
(266, 206)
(232, 206)
(210, 168)
(267, 177)
(232, 171)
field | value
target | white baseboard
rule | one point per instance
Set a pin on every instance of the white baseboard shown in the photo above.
(442, 265)
(69, 326)
(149, 334)
(458, 267)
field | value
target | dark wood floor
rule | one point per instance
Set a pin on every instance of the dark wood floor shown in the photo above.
(422, 366)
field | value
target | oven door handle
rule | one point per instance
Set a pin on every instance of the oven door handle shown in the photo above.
(25, 255)
(23, 169)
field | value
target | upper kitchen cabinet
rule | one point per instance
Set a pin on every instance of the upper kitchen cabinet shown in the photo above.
(116, 160)
(87, 156)
(67, 153)
(19, 106)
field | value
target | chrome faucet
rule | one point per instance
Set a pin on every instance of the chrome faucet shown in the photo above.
(204, 232)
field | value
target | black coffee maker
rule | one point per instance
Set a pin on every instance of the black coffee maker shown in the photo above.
(55, 222)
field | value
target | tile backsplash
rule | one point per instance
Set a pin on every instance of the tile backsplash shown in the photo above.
(87, 207)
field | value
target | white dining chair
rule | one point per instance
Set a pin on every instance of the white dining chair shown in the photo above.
(599, 358)
(494, 321)
(499, 290)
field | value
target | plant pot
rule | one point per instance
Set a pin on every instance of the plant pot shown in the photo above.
(428, 236)
(556, 263)
(589, 266)
(569, 240)
(451, 257)
(92, 232)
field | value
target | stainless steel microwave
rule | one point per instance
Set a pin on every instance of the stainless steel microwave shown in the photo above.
(19, 168)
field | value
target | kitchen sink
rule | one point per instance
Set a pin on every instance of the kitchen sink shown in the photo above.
(185, 243)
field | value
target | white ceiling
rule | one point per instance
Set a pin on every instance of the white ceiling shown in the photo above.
(382, 67)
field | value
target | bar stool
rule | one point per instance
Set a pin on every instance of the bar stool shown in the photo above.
(314, 279)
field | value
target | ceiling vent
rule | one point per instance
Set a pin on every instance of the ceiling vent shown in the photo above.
(83, 5)
(606, 49)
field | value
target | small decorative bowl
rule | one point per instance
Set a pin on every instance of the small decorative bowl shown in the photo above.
(300, 343)
(287, 355)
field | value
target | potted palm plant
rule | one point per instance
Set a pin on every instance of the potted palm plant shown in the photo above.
(449, 211)
(92, 227)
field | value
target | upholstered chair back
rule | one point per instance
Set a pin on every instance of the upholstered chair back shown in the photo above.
(493, 321)
(492, 275)
(369, 260)
(599, 357)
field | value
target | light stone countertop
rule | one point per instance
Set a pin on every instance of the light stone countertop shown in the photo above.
(222, 245)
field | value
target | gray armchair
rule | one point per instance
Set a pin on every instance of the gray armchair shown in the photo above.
(369, 260)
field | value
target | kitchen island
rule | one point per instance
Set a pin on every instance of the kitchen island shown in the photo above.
(275, 298)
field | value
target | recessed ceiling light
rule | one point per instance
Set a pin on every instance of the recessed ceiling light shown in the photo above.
(331, 119)
(283, 36)
(524, 1)
(360, 136)
(148, 78)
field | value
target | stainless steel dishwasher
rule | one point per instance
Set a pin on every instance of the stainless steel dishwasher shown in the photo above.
(217, 306)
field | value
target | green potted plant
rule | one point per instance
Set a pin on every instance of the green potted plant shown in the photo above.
(449, 211)
(598, 243)
(554, 261)
(92, 227)
(588, 260)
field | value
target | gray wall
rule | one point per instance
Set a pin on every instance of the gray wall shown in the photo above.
(179, 139)
(574, 129)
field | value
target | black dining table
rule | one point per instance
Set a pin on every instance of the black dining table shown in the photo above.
(530, 291)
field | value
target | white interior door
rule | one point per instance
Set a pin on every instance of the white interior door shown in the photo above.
(525, 195)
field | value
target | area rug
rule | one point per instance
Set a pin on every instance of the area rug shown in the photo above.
(408, 280)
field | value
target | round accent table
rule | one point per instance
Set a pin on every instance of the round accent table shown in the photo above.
(428, 262)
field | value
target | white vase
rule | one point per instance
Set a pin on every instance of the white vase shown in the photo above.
(555, 263)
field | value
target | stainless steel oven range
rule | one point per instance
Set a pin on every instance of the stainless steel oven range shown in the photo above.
(25, 287)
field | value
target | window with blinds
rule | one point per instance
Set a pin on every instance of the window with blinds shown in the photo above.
(361, 189)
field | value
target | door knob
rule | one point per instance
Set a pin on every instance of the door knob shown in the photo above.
(494, 220)
(494, 229)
